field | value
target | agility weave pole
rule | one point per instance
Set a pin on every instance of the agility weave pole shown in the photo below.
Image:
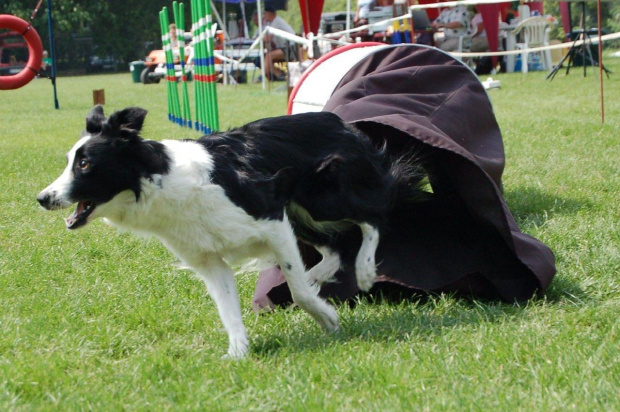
(174, 109)
(206, 118)
(179, 18)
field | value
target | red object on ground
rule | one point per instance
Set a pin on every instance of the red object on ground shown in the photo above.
(35, 52)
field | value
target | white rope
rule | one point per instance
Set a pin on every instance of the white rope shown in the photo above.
(225, 59)
(288, 36)
(276, 32)
(456, 3)
(364, 27)
(606, 37)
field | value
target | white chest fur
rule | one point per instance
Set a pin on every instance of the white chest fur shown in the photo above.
(187, 212)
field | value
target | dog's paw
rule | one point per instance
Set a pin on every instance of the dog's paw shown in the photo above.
(322, 312)
(365, 272)
(328, 319)
(237, 349)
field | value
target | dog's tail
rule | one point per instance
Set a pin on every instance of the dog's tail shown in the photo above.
(410, 179)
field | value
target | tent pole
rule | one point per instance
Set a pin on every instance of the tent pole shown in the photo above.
(262, 42)
(348, 19)
(600, 59)
(52, 51)
(226, 37)
(219, 20)
(246, 32)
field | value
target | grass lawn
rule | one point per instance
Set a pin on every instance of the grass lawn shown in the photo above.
(97, 319)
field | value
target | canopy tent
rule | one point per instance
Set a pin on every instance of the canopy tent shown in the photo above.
(277, 4)
(311, 14)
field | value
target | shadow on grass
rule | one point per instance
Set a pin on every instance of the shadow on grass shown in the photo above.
(534, 207)
(563, 289)
(419, 319)
(427, 317)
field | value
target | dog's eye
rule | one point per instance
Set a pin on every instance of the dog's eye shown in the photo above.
(84, 164)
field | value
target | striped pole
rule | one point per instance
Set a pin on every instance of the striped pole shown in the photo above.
(199, 66)
(202, 41)
(211, 75)
(196, 63)
(179, 19)
(206, 117)
(173, 92)
(163, 40)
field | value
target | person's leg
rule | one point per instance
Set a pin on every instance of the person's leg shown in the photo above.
(479, 44)
(276, 55)
(450, 44)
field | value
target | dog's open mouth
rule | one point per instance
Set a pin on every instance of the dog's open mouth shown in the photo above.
(80, 216)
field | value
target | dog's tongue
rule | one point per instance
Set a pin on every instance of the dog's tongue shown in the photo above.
(77, 219)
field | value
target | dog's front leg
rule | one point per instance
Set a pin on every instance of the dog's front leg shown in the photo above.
(220, 282)
(283, 243)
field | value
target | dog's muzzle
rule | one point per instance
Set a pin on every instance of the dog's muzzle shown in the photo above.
(50, 201)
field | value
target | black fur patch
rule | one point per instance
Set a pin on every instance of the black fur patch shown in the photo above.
(314, 160)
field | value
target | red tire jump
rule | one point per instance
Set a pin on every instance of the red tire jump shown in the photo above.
(35, 52)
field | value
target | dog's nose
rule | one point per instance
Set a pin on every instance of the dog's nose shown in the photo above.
(44, 199)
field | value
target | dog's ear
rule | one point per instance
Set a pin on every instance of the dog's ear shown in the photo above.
(95, 119)
(127, 123)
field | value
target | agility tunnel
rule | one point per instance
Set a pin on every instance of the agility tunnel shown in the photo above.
(35, 52)
(422, 104)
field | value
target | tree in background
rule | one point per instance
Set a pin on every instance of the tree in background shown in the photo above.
(122, 29)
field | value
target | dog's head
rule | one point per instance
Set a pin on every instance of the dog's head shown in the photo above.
(109, 159)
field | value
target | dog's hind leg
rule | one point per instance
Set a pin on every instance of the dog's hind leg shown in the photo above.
(283, 243)
(325, 270)
(220, 282)
(365, 267)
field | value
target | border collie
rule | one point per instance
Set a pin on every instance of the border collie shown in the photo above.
(249, 192)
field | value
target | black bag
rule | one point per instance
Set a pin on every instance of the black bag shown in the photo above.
(484, 66)
(240, 76)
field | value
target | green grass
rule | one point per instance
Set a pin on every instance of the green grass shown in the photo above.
(98, 319)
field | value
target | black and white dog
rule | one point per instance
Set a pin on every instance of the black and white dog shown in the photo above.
(245, 193)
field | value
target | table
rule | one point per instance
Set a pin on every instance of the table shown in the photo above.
(507, 31)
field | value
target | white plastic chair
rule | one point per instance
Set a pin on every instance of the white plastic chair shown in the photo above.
(534, 33)
(465, 47)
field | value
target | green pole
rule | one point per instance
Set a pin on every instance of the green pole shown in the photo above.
(171, 78)
(163, 40)
(205, 98)
(211, 75)
(199, 61)
(196, 62)
(179, 19)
